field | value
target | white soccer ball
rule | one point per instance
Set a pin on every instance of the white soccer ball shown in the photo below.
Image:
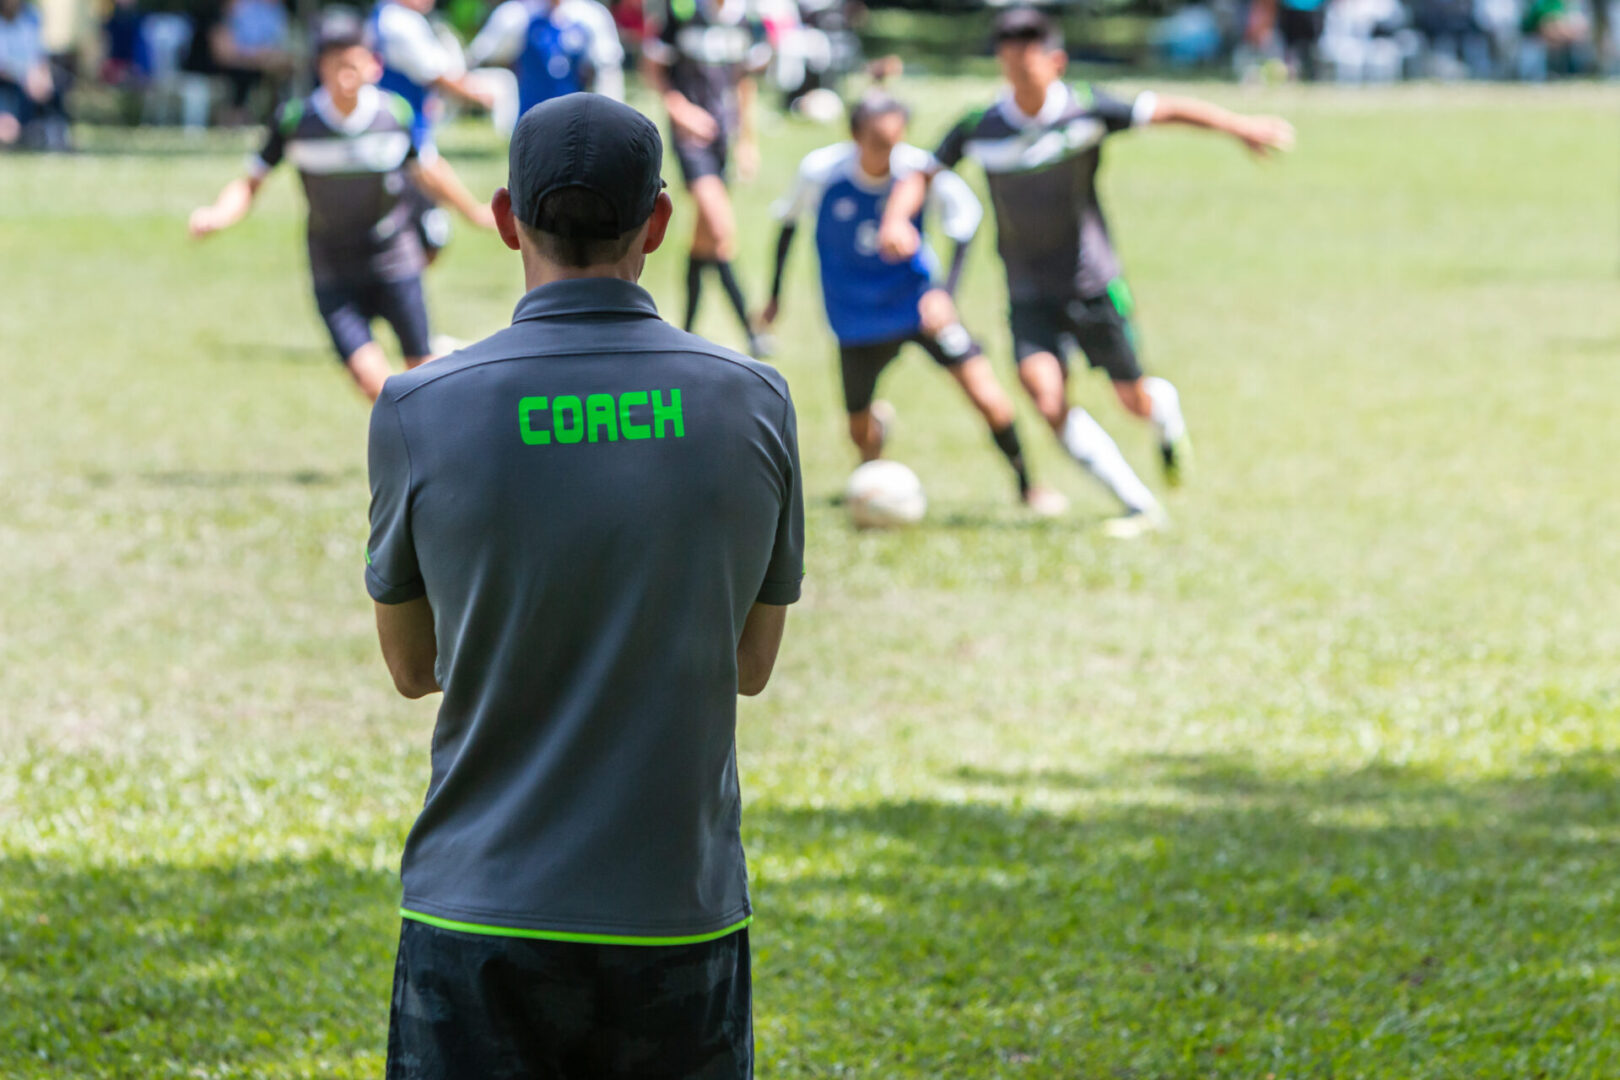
(884, 495)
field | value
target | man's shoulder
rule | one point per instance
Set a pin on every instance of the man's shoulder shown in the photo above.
(745, 370)
(826, 164)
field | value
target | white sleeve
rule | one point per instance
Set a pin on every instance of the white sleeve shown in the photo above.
(1142, 108)
(955, 206)
(501, 40)
(606, 49)
(408, 45)
(805, 194)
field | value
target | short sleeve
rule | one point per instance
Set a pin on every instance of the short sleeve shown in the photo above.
(1116, 114)
(957, 209)
(954, 145)
(392, 573)
(785, 574)
(502, 38)
(802, 197)
(275, 144)
(409, 45)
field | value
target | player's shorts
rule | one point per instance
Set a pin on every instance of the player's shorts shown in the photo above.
(1099, 325)
(347, 308)
(481, 1005)
(428, 218)
(862, 364)
(699, 160)
(1301, 27)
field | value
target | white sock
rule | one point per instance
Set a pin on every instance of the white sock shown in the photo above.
(1165, 408)
(1091, 446)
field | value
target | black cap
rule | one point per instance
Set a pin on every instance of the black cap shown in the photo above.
(591, 142)
(1026, 24)
(873, 104)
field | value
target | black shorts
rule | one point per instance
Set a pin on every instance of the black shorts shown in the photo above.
(702, 160)
(476, 1006)
(1300, 28)
(1099, 325)
(862, 364)
(348, 308)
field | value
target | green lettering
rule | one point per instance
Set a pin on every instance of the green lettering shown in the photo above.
(670, 414)
(532, 437)
(599, 414)
(573, 430)
(631, 429)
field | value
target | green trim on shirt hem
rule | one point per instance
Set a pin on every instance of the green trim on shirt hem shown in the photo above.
(562, 935)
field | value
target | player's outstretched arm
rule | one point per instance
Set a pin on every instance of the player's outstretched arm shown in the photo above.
(1261, 134)
(232, 205)
(439, 180)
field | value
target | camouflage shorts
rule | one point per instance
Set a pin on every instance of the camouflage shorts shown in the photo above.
(479, 1007)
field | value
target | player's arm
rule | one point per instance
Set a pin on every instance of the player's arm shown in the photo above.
(1261, 134)
(658, 55)
(465, 88)
(748, 127)
(236, 198)
(410, 45)
(758, 647)
(959, 215)
(234, 201)
(440, 181)
(784, 244)
(409, 648)
(897, 237)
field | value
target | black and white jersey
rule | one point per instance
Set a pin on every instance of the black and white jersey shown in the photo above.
(707, 46)
(1042, 173)
(353, 171)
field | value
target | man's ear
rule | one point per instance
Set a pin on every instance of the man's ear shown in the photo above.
(658, 223)
(505, 221)
(1062, 60)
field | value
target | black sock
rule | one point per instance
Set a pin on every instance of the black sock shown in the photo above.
(1007, 443)
(728, 281)
(694, 288)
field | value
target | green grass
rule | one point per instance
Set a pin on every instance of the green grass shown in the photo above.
(1323, 783)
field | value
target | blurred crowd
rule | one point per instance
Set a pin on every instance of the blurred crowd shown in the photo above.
(201, 63)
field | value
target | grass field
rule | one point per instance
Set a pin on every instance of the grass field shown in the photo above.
(1323, 783)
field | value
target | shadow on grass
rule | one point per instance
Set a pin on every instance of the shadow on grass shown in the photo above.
(232, 478)
(1185, 917)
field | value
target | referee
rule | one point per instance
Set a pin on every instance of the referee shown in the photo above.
(585, 530)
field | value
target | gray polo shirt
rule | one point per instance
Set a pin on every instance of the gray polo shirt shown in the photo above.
(591, 500)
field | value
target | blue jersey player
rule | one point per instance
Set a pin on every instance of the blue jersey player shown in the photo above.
(554, 47)
(876, 306)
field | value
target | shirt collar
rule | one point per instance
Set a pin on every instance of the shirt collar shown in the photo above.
(366, 105)
(585, 296)
(1057, 99)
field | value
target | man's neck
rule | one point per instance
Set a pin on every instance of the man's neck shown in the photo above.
(874, 163)
(341, 105)
(538, 272)
(1031, 98)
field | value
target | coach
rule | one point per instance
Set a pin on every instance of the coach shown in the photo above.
(584, 530)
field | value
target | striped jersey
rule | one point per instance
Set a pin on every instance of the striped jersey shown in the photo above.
(708, 46)
(353, 171)
(1042, 173)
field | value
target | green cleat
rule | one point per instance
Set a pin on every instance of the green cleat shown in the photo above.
(1178, 459)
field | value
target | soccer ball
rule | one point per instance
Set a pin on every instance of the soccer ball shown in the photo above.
(884, 495)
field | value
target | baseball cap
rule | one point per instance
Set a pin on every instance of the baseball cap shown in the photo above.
(1026, 24)
(590, 142)
(873, 104)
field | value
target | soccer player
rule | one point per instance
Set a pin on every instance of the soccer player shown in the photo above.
(351, 143)
(701, 56)
(1040, 147)
(876, 307)
(418, 67)
(554, 48)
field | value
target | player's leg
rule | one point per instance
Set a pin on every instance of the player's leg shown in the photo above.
(954, 349)
(714, 242)
(403, 307)
(1039, 328)
(859, 367)
(345, 311)
(1106, 331)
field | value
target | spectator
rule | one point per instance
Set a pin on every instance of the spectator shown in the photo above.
(31, 109)
(1299, 24)
(1556, 37)
(122, 34)
(247, 43)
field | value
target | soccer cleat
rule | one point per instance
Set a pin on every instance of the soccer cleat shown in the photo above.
(1136, 523)
(1046, 502)
(1178, 459)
